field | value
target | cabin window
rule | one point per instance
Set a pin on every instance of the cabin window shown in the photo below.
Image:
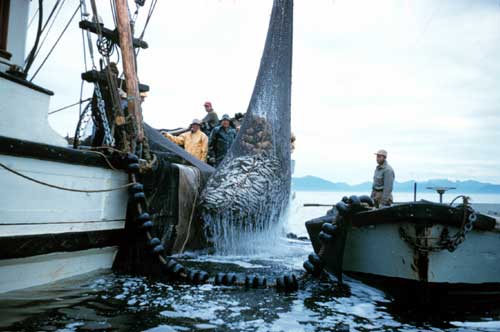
(4, 27)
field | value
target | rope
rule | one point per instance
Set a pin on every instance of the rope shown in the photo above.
(149, 163)
(55, 44)
(64, 188)
(107, 148)
(190, 222)
(105, 159)
(66, 107)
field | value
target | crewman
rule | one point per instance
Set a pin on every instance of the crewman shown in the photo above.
(195, 142)
(383, 181)
(237, 120)
(143, 96)
(221, 139)
(211, 120)
(123, 97)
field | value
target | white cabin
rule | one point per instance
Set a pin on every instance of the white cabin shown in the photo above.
(13, 31)
(25, 106)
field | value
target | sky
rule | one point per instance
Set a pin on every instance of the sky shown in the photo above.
(417, 78)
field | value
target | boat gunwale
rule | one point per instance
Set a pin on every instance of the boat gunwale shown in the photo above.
(421, 212)
(26, 83)
(42, 151)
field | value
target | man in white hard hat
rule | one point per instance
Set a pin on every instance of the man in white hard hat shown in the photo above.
(194, 141)
(383, 181)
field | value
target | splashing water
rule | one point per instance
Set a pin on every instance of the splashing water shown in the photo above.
(230, 236)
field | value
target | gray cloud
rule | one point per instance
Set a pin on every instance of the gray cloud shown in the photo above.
(417, 78)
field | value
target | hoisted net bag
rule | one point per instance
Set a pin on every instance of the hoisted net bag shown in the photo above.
(251, 187)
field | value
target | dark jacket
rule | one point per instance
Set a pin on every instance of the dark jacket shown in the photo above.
(220, 142)
(210, 121)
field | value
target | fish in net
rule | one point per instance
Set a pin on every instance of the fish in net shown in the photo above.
(250, 189)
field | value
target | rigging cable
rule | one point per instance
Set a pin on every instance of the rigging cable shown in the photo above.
(31, 56)
(55, 44)
(150, 13)
(113, 11)
(33, 18)
(83, 3)
(133, 19)
(50, 28)
(51, 14)
(84, 47)
(69, 106)
(83, 14)
(115, 21)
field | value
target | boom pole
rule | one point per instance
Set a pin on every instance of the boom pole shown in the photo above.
(129, 69)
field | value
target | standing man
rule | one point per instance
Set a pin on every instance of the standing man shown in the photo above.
(383, 181)
(211, 120)
(221, 139)
(195, 141)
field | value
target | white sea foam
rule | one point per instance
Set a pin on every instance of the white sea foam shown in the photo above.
(490, 325)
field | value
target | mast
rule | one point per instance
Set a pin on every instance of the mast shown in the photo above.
(129, 69)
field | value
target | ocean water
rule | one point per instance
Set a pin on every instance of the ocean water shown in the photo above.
(107, 301)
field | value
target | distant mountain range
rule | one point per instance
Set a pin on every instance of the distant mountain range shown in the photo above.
(313, 183)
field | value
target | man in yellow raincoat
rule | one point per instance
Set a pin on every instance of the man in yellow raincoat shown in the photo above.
(195, 142)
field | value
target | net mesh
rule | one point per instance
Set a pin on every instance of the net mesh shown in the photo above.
(250, 190)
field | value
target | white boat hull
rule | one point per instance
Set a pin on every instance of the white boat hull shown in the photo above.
(49, 234)
(20, 273)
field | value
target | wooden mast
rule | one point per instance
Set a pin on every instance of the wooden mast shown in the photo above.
(128, 56)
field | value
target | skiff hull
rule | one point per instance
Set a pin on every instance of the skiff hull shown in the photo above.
(384, 254)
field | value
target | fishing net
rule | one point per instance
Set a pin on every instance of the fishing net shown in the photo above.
(250, 190)
(171, 187)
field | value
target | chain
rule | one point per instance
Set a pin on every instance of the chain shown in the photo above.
(447, 242)
(470, 217)
(86, 118)
(108, 138)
